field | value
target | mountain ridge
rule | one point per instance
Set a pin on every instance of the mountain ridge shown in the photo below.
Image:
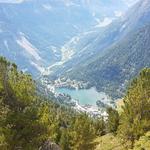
(105, 69)
(23, 22)
(111, 72)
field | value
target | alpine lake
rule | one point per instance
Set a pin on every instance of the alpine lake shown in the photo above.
(85, 96)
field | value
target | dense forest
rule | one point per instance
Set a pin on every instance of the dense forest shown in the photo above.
(30, 121)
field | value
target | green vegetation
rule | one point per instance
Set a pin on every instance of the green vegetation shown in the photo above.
(132, 126)
(135, 118)
(112, 121)
(28, 120)
(20, 117)
(143, 143)
(109, 142)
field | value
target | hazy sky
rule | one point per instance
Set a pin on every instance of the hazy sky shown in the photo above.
(128, 2)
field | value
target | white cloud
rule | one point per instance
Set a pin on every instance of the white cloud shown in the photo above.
(93, 14)
(69, 3)
(106, 21)
(118, 13)
(47, 6)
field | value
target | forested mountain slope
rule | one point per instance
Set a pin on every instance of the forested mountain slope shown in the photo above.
(122, 62)
(30, 121)
(95, 42)
(117, 54)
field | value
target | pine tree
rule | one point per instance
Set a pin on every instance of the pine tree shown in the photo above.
(135, 119)
(65, 140)
(100, 126)
(112, 120)
(19, 117)
(83, 133)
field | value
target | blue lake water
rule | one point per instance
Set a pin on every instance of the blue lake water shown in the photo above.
(84, 96)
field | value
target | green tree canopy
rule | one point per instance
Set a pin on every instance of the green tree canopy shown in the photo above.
(135, 119)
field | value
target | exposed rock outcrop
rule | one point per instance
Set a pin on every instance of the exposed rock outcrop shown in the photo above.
(49, 145)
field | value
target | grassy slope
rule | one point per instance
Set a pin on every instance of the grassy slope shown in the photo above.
(109, 142)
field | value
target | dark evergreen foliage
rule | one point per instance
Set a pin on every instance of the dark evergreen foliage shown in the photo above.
(28, 120)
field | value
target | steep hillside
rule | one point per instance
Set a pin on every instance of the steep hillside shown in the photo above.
(94, 42)
(33, 32)
(122, 61)
(108, 142)
(29, 121)
(111, 56)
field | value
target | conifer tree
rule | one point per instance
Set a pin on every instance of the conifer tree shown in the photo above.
(83, 133)
(135, 119)
(65, 140)
(112, 120)
(100, 126)
(20, 119)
